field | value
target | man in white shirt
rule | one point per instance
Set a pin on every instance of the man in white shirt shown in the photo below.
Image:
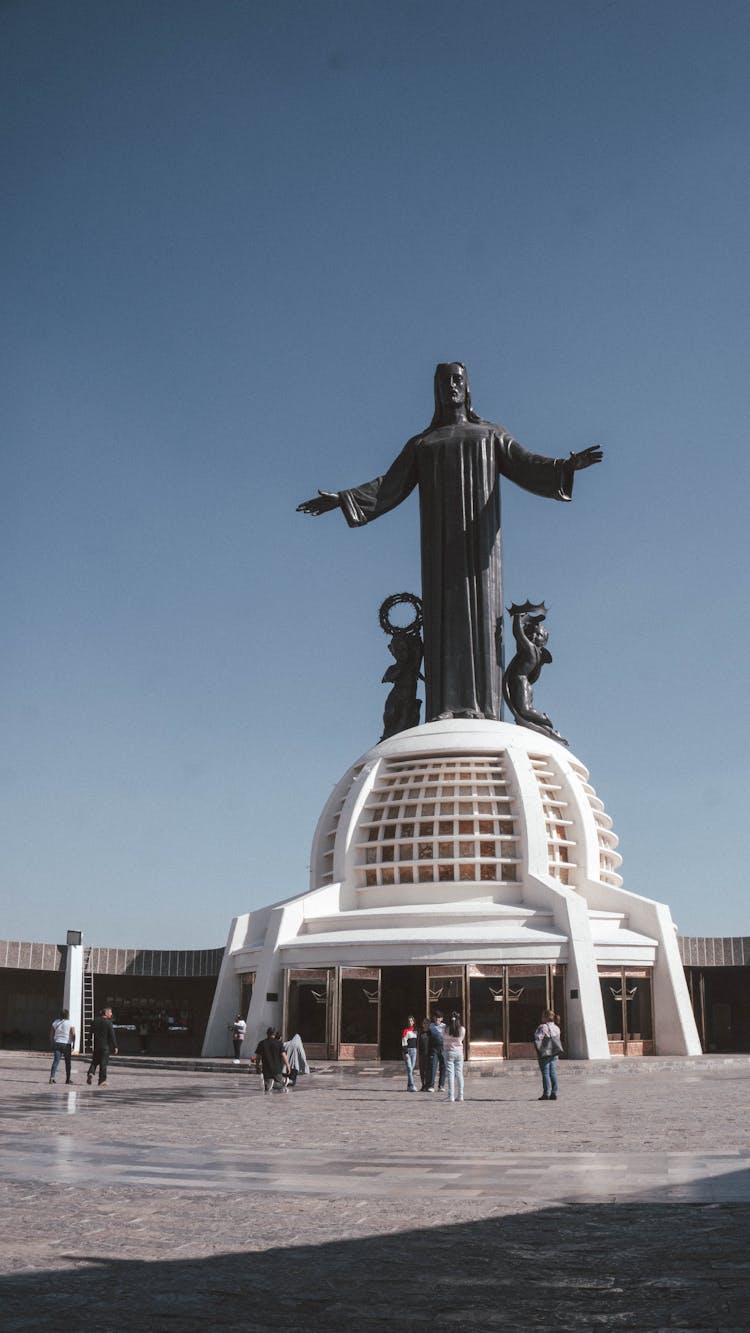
(239, 1028)
(62, 1034)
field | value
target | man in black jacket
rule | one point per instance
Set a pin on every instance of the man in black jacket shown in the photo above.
(274, 1062)
(105, 1044)
(437, 1069)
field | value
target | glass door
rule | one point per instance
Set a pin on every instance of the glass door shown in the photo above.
(309, 1009)
(639, 1021)
(359, 1010)
(505, 1007)
(486, 1025)
(628, 1010)
(527, 995)
(247, 981)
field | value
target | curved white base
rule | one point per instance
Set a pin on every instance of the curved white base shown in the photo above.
(465, 841)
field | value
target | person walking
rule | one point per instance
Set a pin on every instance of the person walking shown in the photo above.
(548, 1047)
(62, 1034)
(239, 1028)
(273, 1061)
(409, 1038)
(453, 1050)
(297, 1057)
(437, 1059)
(105, 1044)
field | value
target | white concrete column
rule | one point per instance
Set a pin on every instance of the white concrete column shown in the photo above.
(586, 1026)
(226, 996)
(73, 990)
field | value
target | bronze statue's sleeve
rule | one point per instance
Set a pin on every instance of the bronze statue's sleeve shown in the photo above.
(361, 504)
(551, 477)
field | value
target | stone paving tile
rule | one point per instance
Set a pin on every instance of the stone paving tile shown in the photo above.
(572, 1177)
(90, 1254)
(651, 1112)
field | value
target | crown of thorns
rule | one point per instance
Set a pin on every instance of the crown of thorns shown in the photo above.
(399, 599)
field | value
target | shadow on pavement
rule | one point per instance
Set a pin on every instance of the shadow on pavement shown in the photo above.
(635, 1266)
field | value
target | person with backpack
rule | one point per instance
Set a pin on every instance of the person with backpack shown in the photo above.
(548, 1048)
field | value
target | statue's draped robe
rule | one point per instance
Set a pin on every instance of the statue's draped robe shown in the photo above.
(458, 470)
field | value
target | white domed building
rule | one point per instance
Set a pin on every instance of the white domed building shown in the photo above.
(463, 865)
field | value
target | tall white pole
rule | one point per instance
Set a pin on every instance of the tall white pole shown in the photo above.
(73, 988)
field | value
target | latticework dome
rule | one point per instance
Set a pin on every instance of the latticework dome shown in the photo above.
(472, 804)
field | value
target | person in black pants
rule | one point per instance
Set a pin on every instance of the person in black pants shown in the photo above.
(425, 1058)
(105, 1044)
(437, 1067)
(62, 1035)
(274, 1061)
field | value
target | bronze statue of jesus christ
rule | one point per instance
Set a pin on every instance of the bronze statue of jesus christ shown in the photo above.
(457, 463)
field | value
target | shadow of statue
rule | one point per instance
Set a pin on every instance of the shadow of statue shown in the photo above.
(636, 1265)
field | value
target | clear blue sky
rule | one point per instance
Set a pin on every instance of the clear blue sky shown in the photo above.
(236, 238)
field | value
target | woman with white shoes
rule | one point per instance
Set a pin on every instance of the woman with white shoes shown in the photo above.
(453, 1050)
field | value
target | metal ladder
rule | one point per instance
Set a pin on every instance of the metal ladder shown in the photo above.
(88, 1000)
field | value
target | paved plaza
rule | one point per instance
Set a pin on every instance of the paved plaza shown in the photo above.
(183, 1198)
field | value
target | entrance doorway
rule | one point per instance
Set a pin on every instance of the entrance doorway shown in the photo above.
(308, 1009)
(247, 981)
(626, 998)
(402, 992)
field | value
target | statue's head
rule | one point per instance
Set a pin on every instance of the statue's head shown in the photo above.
(452, 391)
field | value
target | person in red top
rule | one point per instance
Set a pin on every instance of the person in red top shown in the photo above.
(409, 1038)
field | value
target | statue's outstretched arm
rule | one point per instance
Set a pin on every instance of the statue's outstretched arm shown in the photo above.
(321, 503)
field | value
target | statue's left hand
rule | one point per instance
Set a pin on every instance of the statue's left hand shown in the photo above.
(587, 457)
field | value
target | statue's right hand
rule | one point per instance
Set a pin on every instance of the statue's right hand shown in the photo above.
(322, 503)
(586, 457)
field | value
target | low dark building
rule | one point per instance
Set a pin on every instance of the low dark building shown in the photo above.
(718, 977)
(160, 998)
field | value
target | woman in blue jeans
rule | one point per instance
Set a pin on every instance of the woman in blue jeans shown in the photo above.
(409, 1038)
(548, 1047)
(453, 1050)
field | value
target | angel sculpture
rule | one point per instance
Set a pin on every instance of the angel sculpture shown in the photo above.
(523, 671)
(402, 707)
